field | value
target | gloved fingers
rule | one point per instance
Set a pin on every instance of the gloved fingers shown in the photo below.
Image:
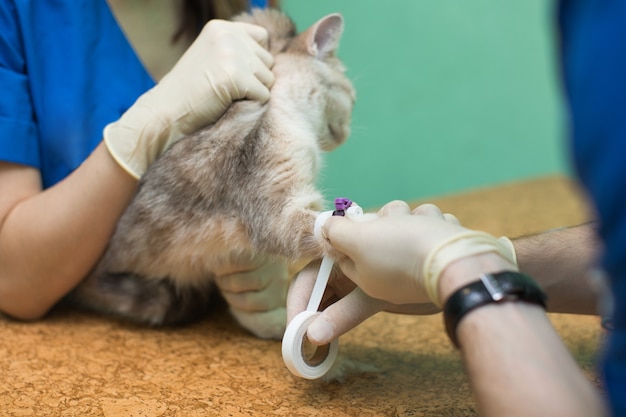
(247, 78)
(428, 209)
(340, 234)
(339, 285)
(253, 276)
(237, 80)
(394, 208)
(256, 301)
(266, 59)
(451, 218)
(254, 89)
(343, 316)
(268, 298)
(258, 33)
(241, 64)
(300, 290)
(261, 60)
(432, 210)
(217, 30)
(264, 75)
(347, 267)
(242, 281)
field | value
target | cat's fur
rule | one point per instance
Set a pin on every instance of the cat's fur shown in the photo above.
(241, 186)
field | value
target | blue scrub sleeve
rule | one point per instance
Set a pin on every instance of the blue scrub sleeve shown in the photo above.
(258, 3)
(18, 131)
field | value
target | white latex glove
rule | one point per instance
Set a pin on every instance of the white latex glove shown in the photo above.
(399, 256)
(228, 61)
(344, 306)
(259, 286)
(386, 258)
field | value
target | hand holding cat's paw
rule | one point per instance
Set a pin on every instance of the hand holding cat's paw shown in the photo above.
(260, 286)
(265, 325)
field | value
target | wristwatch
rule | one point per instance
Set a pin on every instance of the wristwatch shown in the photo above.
(490, 288)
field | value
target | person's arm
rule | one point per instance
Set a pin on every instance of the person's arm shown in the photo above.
(559, 260)
(516, 362)
(49, 240)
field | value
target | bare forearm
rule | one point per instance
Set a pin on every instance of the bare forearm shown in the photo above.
(516, 362)
(518, 366)
(51, 239)
(559, 261)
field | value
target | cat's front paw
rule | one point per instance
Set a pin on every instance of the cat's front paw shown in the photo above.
(265, 324)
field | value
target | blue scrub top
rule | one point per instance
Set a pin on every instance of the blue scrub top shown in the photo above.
(66, 71)
(593, 46)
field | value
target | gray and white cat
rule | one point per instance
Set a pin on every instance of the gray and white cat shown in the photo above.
(241, 186)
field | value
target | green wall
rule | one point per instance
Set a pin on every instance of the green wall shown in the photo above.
(451, 95)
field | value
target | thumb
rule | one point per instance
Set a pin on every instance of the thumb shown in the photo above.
(300, 290)
(340, 233)
(343, 316)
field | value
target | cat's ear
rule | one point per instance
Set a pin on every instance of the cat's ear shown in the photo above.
(322, 38)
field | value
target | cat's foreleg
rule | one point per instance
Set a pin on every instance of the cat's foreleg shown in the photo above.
(293, 237)
(289, 236)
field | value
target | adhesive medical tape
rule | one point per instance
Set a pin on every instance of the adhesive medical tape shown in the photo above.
(319, 222)
(303, 358)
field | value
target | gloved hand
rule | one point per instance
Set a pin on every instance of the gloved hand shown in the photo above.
(399, 256)
(228, 61)
(396, 261)
(344, 305)
(261, 285)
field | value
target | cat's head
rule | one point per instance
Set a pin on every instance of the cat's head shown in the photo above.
(323, 90)
(330, 88)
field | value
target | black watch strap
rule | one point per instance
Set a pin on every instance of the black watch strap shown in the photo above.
(489, 289)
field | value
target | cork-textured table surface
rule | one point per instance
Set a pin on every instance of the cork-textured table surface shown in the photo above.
(76, 364)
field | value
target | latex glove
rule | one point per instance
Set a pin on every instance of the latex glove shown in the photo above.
(260, 285)
(385, 258)
(344, 306)
(228, 61)
(431, 209)
(399, 256)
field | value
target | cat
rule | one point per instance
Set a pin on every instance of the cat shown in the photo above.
(242, 186)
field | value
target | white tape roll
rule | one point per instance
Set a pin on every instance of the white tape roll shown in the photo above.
(303, 358)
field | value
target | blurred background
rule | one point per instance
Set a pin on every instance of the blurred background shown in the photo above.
(451, 96)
